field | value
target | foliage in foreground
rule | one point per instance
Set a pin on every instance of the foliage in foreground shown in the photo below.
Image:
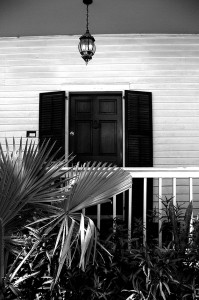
(54, 253)
(144, 273)
(171, 271)
(47, 197)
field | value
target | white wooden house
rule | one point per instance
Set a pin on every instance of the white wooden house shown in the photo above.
(163, 68)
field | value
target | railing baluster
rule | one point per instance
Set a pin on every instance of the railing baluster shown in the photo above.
(130, 218)
(98, 216)
(174, 191)
(190, 189)
(144, 211)
(84, 211)
(174, 198)
(123, 206)
(191, 199)
(160, 212)
(114, 206)
(114, 213)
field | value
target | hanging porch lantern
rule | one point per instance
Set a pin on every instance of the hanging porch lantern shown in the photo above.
(87, 42)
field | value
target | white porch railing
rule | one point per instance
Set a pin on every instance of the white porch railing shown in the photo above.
(188, 173)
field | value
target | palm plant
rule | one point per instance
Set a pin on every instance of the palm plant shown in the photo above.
(180, 224)
(92, 184)
(27, 175)
(30, 176)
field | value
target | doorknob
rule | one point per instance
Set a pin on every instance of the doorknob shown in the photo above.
(72, 133)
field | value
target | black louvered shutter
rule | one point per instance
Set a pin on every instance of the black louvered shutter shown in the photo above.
(52, 120)
(138, 119)
(139, 144)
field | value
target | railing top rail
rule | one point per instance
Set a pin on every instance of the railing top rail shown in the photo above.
(153, 172)
(166, 172)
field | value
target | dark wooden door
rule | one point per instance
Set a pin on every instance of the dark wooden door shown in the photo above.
(95, 127)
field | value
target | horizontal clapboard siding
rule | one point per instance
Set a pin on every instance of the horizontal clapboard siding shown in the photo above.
(166, 65)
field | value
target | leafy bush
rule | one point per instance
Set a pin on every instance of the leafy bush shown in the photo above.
(172, 271)
(143, 272)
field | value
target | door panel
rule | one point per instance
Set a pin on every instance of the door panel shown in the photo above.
(95, 127)
(83, 107)
(108, 107)
(108, 138)
(83, 132)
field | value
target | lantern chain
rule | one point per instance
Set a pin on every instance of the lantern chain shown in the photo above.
(87, 18)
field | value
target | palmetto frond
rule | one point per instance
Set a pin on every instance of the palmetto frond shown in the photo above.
(91, 185)
(27, 175)
(95, 184)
